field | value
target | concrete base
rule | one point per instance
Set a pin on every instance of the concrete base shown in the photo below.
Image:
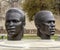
(30, 45)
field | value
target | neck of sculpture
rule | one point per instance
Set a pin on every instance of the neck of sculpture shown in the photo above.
(43, 35)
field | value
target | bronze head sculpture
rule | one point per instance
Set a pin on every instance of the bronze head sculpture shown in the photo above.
(45, 23)
(15, 22)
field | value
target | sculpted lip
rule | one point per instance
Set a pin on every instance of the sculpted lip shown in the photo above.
(11, 29)
(52, 30)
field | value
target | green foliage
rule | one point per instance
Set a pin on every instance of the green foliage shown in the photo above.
(33, 6)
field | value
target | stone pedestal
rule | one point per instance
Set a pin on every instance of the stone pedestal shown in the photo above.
(30, 45)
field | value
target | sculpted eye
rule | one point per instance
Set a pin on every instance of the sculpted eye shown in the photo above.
(8, 21)
(51, 21)
(15, 21)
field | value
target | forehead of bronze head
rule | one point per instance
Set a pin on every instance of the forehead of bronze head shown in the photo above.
(44, 16)
(14, 13)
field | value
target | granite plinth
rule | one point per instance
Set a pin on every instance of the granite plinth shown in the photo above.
(30, 45)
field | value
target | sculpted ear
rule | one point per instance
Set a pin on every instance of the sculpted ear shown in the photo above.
(23, 21)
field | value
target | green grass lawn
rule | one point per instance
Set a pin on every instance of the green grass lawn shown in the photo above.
(30, 36)
(34, 36)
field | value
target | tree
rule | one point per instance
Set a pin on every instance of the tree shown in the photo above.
(33, 6)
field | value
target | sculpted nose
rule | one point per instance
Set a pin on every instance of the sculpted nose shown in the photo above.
(11, 23)
(52, 24)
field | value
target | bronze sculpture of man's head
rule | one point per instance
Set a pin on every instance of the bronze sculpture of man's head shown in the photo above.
(15, 21)
(45, 23)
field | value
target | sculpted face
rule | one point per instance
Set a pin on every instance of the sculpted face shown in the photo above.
(48, 25)
(15, 22)
(45, 22)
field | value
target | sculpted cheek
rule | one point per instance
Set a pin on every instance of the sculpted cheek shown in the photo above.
(18, 27)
